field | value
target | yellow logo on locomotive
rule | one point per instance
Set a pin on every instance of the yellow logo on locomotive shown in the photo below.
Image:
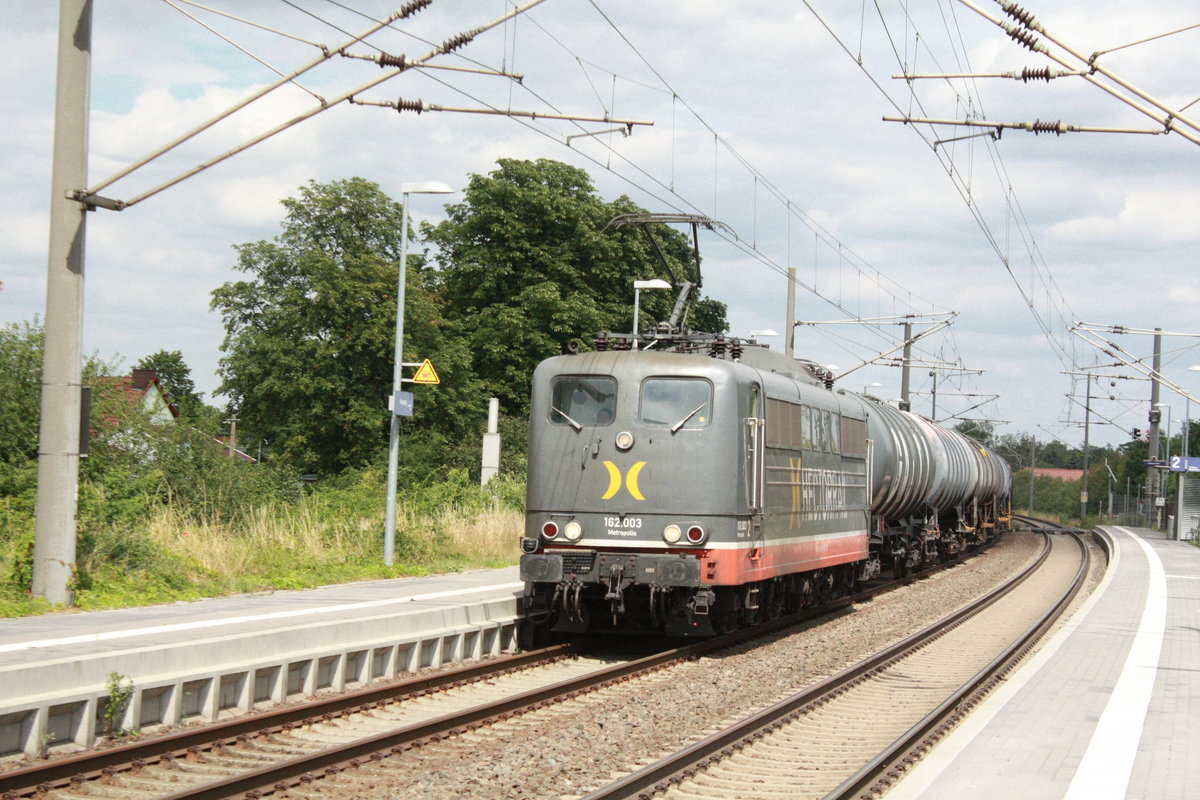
(631, 480)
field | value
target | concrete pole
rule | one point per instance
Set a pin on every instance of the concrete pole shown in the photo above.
(905, 403)
(491, 444)
(1087, 425)
(62, 363)
(1152, 476)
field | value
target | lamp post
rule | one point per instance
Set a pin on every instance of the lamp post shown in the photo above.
(1187, 417)
(655, 283)
(389, 535)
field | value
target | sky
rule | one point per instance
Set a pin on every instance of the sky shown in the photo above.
(767, 116)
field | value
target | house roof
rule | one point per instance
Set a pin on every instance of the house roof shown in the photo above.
(142, 388)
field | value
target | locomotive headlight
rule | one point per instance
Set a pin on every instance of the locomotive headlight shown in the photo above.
(624, 440)
(573, 531)
(550, 529)
(671, 534)
(696, 534)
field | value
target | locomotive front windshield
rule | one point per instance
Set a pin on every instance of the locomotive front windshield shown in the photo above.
(578, 400)
(677, 402)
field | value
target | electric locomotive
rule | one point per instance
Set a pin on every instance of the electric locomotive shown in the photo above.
(699, 484)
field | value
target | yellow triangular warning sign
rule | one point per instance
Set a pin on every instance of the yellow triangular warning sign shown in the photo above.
(426, 373)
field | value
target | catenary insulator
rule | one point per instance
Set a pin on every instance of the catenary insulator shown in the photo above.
(1024, 37)
(414, 7)
(389, 60)
(1019, 14)
(1031, 74)
(409, 105)
(1057, 128)
(458, 41)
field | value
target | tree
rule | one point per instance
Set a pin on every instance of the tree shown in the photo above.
(978, 430)
(1021, 450)
(309, 336)
(527, 263)
(176, 379)
(21, 346)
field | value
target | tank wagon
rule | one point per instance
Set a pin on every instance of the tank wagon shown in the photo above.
(691, 491)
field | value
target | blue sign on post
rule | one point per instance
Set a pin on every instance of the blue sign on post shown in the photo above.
(402, 404)
(1185, 464)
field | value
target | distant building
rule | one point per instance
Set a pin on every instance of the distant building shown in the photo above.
(1058, 474)
(142, 389)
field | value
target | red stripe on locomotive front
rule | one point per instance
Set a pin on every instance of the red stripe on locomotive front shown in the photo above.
(749, 563)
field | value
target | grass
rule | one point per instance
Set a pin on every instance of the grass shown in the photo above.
(304, 545)
(318, 540)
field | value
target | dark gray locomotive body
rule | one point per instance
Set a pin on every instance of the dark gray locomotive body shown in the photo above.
(689, 493)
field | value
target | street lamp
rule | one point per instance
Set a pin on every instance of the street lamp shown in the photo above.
(1187, 416)
(655, 283)
(389, 534)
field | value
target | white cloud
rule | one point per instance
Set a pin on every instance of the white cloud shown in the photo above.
(1111, 215)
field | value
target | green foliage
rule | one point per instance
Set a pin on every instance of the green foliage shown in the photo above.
(192, 473)
(708, 316)
(528, 262)
(114, 706)
(310, 336)
(175, 377)
(21, 346)
(306, 337)
(978, 430)
(1051, 496)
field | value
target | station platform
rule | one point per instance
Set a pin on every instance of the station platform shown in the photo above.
(220, 657)
(1107, 709)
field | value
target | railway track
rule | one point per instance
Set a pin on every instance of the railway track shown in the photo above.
(287, 749)
(854, 734)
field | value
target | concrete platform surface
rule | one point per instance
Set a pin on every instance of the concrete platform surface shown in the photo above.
(225, 656)
(1108, 709)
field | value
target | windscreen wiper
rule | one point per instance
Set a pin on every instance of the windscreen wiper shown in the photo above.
(690, 414)
(572, 422)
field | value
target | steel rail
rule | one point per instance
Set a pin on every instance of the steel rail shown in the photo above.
(105, 763)
(98, 763)
(677, 767)
(886, 768)
(303, 769)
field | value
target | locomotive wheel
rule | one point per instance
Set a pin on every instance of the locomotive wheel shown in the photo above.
(725, 610)
(533, 636)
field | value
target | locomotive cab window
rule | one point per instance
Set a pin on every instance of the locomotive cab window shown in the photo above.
(579, 400)
(677, 403)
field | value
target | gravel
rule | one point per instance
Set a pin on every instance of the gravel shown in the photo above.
(571, 748)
